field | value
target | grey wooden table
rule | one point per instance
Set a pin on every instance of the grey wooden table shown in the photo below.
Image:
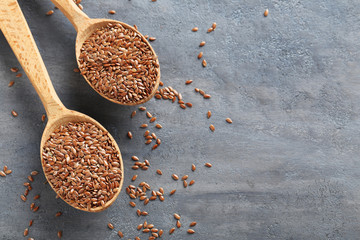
(287, 168)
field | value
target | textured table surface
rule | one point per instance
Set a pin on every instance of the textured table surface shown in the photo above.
(287, 168)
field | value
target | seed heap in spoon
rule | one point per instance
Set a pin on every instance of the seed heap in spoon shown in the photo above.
(118, 63)
(82, 165)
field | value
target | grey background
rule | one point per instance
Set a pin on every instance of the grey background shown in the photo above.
(287, 168)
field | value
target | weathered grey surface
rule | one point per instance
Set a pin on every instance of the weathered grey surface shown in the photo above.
(287, 168)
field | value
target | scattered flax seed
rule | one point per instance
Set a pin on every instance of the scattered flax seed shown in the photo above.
(210, 30)
(178, 224)
(144, 213)
(146, 133)
(161, 232)
(148, 114)
(23, 198)
(2, 173)
(112, 12)
(208, 114)
(129, 135)
(158, 126)
(26, 232)
(201, 92)
(204, 63)
(202, 44)
(133, 114)
(5, 168)
(189, 104)
(154, 147)
(7, 172)
(14, 69)
(135, 27)
(139, 227)
(190, 231)
(191, 182)
(134, 178)
(43, 117)
(31, 179)
(207, 96)
(176, 216)
(32, 205)
(148, 141)
(50, 13)
(192, 224)
(144, 125)
(152, 38)
(161, 84)
(11, 83)
(142, 108)
(120, 234)
(175, 177)
(132, 204)
(200, 55)
(58, 214)
(214, 26)
(153, 119)
(36, 209)
(188, 82)
(196, 89)
(76, 70)
(34, 173)
(36, 197)
(59, 234)
(159, 172)
(185, 183)
(31, 223)
(171, 230)
(110, 226)
(193, 167)
(146, 36)
(195, 29)
(172, 192)
(182, 106)
(135, 158)
(15, 114)
(184, 177)
(266, 13)
(228, 120)
(209, 165)
(26, 192)
(158, 141)
(212, 128)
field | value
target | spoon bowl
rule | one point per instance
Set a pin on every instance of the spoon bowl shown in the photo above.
(85, 27)
(68, 116)
(15, 29)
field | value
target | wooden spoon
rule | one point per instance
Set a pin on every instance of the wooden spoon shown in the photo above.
(85, 26)
(15, 29)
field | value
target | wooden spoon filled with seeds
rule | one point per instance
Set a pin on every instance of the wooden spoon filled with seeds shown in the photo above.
(80, 159)
(114, 58)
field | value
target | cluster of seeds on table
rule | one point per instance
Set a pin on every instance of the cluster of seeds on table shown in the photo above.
(5, 171)
(82, 165)
(119, 64)
(25, 196)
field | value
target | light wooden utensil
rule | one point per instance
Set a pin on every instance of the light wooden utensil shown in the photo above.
(16, 31)
(85, 26)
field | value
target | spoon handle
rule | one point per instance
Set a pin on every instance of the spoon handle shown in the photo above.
(16, 31)
(72, 12)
